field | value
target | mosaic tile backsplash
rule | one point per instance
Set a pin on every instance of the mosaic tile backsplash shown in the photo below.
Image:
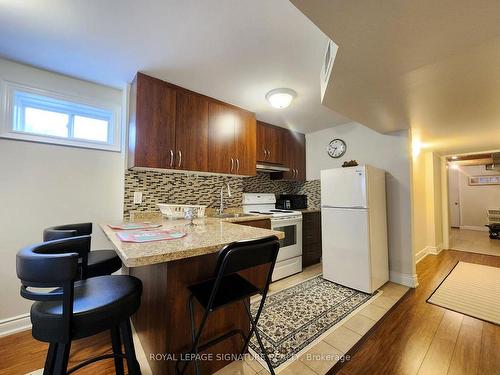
(184, 188)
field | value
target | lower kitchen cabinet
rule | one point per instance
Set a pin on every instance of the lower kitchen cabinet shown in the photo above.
(311, 238)
(263, 223)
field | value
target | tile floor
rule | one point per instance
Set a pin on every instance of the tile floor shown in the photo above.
(473, 241)
(323, 356)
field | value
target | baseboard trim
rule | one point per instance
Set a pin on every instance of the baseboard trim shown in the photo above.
(15, 324)
(433, 250)
(404, 279)
(474, 227)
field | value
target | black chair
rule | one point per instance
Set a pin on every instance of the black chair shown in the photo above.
(228, 287)
(99, 262)
(76, 309)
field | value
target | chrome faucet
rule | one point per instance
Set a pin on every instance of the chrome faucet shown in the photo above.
(221, 208)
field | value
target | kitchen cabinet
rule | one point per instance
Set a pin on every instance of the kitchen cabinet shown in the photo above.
(262, 223)
(191, 132)
(269, 143)
(311, 237)
(152, 123)
(231, 140)
(174, 128)
(294, 155)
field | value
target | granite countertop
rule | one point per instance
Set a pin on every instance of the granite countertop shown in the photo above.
(209, 235)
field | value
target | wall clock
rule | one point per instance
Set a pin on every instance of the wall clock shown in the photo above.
(336, 148)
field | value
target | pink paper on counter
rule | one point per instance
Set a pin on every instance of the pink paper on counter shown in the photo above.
(140, 236)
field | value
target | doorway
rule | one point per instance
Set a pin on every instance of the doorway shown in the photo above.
(473, 198)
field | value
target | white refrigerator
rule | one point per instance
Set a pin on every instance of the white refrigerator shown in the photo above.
(354, 227)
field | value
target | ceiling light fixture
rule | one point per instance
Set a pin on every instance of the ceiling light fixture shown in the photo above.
(454, 157)
(280, 98)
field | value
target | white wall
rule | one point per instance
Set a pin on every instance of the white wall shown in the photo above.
(43, 185)
(475, 200)
(389, 152)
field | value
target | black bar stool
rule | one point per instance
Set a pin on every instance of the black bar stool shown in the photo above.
(76, 309)
(99, 262)
(229, 287)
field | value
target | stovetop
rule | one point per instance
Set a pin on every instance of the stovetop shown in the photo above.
(264, 204)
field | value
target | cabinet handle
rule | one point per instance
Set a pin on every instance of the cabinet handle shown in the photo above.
(180, 158)
(269, 152)
(232, 165)
(265, 154)
(171, 158)
(237, 165)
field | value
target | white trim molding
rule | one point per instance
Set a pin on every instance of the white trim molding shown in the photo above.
(474, 227)
(15, 324)
(433, 250)
(403, 279)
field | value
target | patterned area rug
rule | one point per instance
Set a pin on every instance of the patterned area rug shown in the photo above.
(295, 317)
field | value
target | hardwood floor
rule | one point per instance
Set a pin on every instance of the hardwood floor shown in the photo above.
(420, 338)
(413, 338)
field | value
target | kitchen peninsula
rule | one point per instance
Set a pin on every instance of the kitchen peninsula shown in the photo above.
(166, 268)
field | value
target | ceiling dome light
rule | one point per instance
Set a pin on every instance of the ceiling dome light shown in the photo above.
(280, 98)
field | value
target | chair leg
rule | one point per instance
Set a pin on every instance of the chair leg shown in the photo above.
(257, 336)
(193, 334)
(132, 363)
(196, 339)
(48, 369)
(61, 358)
(116, 342)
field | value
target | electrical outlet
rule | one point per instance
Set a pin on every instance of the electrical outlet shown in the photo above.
(137, 197)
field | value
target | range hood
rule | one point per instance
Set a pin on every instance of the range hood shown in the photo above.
(261, 167)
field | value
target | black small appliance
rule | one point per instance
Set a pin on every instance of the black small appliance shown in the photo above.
(292, 202)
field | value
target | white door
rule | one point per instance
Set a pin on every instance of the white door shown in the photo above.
(454, 197)
(346, 249)
(344, 187)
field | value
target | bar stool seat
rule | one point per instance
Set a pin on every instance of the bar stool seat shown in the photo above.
(232, 288)
(98, 304)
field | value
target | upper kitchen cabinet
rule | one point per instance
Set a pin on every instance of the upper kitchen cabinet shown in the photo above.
(294, 154)
(174, 128)
(269, 143)
(152, 123)
(191, 132)
(245, 143)
(231, 140)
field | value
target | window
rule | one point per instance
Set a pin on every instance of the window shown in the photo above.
(35, 116)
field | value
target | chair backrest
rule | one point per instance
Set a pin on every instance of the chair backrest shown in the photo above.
(53, 264)
(50, 264)
(66, 231)
(241, 255)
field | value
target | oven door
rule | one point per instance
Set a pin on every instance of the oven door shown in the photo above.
(291, 245)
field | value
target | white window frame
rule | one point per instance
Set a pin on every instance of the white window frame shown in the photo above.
(8, 130)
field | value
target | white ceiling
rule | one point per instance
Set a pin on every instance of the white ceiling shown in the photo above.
(430, 65)
(233, 50)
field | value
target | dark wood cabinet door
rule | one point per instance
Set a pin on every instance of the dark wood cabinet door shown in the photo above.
(263, 223)
(152, 138)
(221, 148)
(274, 141)
(245, 143)
(300, 156)
(289, 155)
(311, 238)
(261, 142)
(294, 156)
(191, 132)
(269, 143)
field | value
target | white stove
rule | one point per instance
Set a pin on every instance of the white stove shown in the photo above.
(289, 222)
